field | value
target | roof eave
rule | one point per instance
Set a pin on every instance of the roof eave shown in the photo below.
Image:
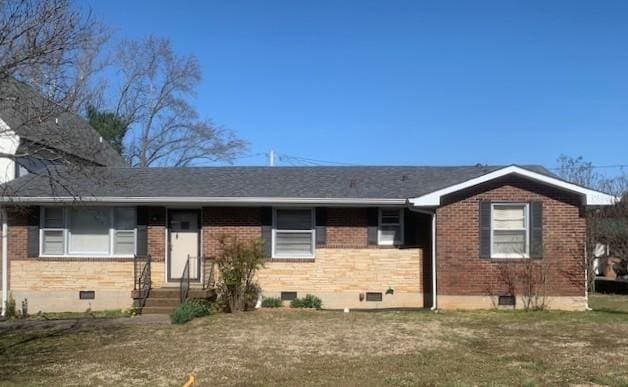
(589, 196)
(210, 201)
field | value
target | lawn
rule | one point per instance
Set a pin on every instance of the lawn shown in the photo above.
(326, 348)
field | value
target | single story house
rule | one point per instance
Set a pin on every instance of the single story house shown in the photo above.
(358, 237)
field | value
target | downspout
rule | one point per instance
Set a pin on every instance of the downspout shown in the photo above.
(434, 306)
(5, 261)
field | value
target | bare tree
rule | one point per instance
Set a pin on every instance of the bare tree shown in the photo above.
(154, 99)
(53, 46)
(579, 171)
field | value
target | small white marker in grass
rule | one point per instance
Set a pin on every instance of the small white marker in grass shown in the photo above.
(346, 310)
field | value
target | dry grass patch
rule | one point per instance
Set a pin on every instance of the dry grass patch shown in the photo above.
(323, 348)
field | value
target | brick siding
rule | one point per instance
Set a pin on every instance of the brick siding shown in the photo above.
(462, 272)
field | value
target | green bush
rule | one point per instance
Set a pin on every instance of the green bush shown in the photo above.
(11, 308)
(190, 309)
(272, 302)
(309, 301)
(237, 263)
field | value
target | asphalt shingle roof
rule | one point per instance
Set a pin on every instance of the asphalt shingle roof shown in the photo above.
(21, 108)
(368, 182)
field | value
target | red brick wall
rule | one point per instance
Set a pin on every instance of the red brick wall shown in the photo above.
(346, 228)
(156, 233)
(462, 272)
(17, 233)
(243, 222)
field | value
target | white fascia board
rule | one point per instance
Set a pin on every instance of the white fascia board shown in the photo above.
(204, 200)
(590, 197)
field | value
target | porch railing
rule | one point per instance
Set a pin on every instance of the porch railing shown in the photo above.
(142, 280)
(184, 284)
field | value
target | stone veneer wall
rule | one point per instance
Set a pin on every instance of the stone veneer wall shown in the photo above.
(338, 276)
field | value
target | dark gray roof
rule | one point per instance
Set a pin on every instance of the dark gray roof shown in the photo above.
(22, 108)
(368, 182)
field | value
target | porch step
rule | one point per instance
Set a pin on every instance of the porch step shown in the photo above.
(165, 300)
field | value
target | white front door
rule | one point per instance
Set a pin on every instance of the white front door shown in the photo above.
(183, 242)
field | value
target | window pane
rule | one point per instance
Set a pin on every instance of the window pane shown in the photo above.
(89, 230)
(124, 218)
(391, 216)
(294, 219)
(509, 242)
(124, 242)
(53, 242)
(53, 217)
(509, 224)
(390, 234)
(294, 243)
(509, 216)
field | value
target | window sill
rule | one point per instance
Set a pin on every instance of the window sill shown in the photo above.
(517, 259)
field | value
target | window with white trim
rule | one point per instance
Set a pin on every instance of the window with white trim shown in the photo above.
(293, 233)
(510, 230)
(88, 231)
(390, 230)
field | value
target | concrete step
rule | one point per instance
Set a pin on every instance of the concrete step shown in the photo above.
(151, 301)
(157, 309)
(175, 293)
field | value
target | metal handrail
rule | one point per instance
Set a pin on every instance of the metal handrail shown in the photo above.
(142, 282)
(184, 285)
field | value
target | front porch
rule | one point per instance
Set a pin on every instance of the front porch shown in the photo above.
(197, 280)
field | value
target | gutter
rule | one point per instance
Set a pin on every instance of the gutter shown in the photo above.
(434, 306)
(209, 200)
(5, 261)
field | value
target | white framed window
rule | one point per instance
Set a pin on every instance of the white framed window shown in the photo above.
(510, 230)
(88, 231)
(293, 233)
(390, 228)
(53, 231)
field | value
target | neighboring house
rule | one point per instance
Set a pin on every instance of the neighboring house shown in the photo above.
(358, 237)
(36, 134)
(41, 133)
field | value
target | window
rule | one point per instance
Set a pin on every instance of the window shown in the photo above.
(53, 233)
(124, 231)
(88, 231)
(510, 231)
(390, 231)
(293, 233)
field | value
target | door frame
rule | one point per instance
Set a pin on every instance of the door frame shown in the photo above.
(196, 211)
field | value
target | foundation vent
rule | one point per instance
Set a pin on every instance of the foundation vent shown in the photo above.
(372, 296)
(507, 300)
(288, 296)
(87, 294)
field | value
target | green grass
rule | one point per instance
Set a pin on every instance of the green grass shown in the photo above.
(609, 303)
(305, 347)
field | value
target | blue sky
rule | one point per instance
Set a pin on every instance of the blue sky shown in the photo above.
(404, 82)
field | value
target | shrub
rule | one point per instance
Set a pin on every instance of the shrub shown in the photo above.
(237, 264)
(309, 301)
(272, 302)
(11, 308)
(190, 309)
